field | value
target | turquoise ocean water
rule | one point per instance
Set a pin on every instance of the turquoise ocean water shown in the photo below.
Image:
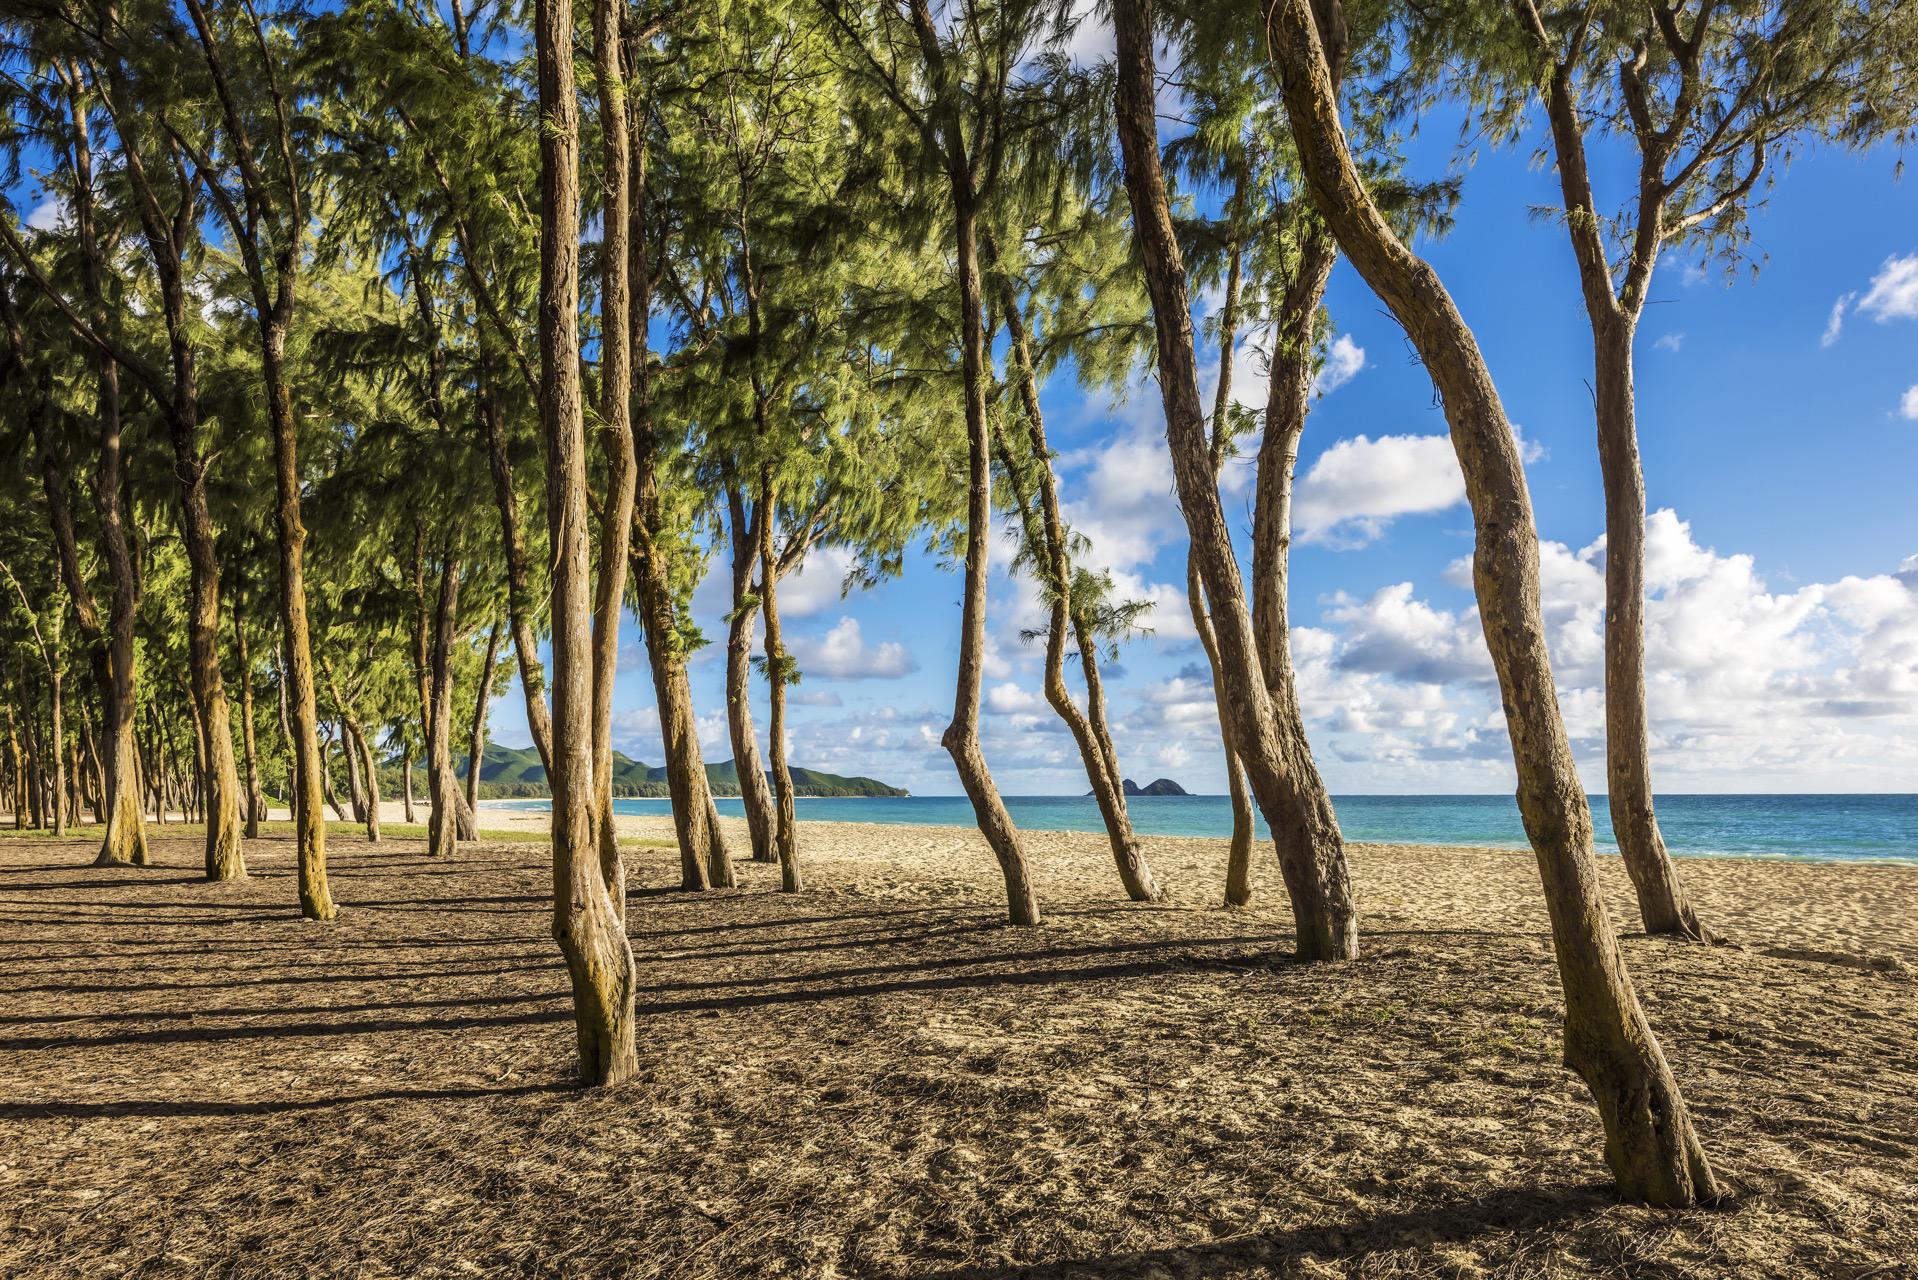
(1815, 827)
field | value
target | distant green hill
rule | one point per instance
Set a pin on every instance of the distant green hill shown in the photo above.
(516, 773)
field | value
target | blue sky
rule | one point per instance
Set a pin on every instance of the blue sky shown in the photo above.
(1780, 467)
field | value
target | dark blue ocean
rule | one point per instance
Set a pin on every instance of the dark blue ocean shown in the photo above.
(1817, 827)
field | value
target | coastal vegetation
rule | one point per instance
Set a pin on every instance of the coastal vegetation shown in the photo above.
(366, 359)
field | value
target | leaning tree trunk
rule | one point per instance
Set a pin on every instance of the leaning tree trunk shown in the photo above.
(58, 733)
(442, 819)
(785, 834)
(1653, 1150)
(1238, 862)
(519, 602)
(1088, 728)
(1277, 758)
(586, 922)
(476, 748)
(961, 738)
(369, 778)
(255, 801)
(225, 859)
(755, 795)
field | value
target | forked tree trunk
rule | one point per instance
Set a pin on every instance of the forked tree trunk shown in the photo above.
(1613, 315)
(586, 922)
(785, 834)
(442, 819)
(1652, 1148)
(326, 776)
(1088, 727)
(961, 738)
(255, 801)
(755, 794)
(1277, 758)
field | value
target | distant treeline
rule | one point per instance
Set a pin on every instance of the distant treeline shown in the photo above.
(515, 773)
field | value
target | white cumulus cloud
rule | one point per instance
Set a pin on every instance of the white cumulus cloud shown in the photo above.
(843, 654)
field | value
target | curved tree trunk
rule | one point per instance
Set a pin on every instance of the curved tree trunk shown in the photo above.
(1613, 316)
(586, 920)
(785, 836)
(961, 738)
(1089, 728)
(1652, 1148)
(1277, 760)
(406, 781)
(369, 778)
(519, 604)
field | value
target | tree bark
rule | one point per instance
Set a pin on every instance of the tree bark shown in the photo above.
(785, 833)
(755, 794)
(476, 750)
(255, 801)
(406, 780)
(1613, 315)
(1277, 759)
(586, 921)
(1089, 728)
(1238, 862)
(1653, 1150)
(519, 604)
(615, 411)
(442, 820)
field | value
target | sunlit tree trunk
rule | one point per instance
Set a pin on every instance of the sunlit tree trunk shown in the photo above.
(1089, 728)
(785, 833)
(442, 820)
(755, 795)
(586, 921)
(1276, 757)
(255, 801)
(1653, 1150)
(476, 749)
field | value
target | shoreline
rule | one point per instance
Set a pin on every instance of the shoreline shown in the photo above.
(531, 815)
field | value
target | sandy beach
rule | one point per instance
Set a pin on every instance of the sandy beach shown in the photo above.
(878, 1078)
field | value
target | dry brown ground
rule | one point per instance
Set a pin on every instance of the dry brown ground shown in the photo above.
(878, 1078)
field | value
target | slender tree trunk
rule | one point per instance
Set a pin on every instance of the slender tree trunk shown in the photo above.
(476, 751)
(586, 921)
(255, 801)
(442, 820)
(785, 834)
(326, 776)
(755, 795)
(519, 602)
(57, 734)
(316, 900)
(36, 776)
(1238, 863)
(355, 775)
(369, 778)
(1652, 1148)
(406, 780)
(961, 738)
(616, 406)
(1089, 728)
(1662, 902)
(225, 859)
(1277, 760)
(16, 772)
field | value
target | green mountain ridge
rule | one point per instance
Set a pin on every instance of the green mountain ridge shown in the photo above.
(517, 773)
